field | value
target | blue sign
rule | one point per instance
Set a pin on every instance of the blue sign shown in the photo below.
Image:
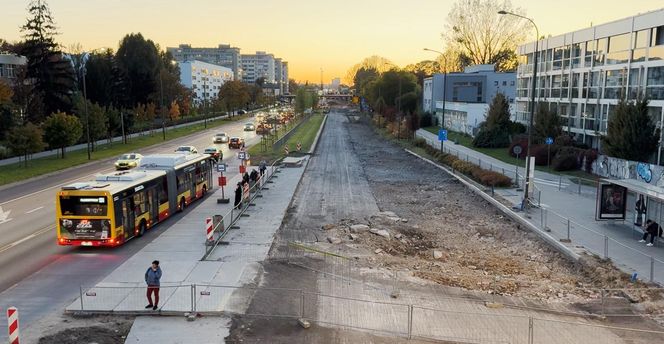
(549, 140)
(221, 167)
(442, 135)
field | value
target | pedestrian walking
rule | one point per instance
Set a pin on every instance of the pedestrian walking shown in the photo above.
(245, 178)
(253, 176)
(652, 229)
(262, 167)
(152, 277)
(238, 194)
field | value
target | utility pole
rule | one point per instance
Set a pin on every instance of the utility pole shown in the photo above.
(161, 91)
(87, 114)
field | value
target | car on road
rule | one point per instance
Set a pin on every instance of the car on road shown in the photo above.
(215, 153)
(236, 142)
(127, 161)
(249, 127)
(186, 149)
(220, 138)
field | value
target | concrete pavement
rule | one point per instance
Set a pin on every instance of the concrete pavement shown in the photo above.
(617, 240)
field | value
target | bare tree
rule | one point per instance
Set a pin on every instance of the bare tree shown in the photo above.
(482, 36)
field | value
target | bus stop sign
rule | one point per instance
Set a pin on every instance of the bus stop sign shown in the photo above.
(221, 167)
(442, 135)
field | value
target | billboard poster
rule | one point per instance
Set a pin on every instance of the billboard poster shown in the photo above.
(611, 202)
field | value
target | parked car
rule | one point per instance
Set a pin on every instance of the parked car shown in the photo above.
(127, 161)
(241, 112)
(236, 142)
(215, 153)
(220, 138)
(249, 127)
(187, 149)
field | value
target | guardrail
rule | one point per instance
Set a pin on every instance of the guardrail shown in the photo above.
(224, 223)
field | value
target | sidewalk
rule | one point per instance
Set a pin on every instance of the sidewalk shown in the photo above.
(563, 201)
(179, 250)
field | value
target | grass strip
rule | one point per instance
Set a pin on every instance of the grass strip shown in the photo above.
(304, 134)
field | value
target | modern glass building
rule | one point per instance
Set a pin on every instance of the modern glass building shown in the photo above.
(583, 74)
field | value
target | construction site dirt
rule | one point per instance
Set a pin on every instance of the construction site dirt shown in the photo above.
(366, 212)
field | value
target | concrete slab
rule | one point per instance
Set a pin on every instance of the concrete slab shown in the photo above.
(206, 330)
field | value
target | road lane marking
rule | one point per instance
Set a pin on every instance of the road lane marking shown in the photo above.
(33, 210)
(20, 241)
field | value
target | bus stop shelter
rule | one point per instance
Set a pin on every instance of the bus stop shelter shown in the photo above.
(652, 197)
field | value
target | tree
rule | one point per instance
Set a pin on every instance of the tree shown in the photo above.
(495, 130)
(392, 86)
(139, 115)
(139, 62)
(150, 114)
(62, 130)
(362, 77)
(377, 63)
(234, 95)
(292, 86)
(51, 75)
(96, 117)
(631, 133)
(380, 106)
(25, 140)
(482, 36)
(547, 124)
(99, 77)
(174, 111)
(7, 120)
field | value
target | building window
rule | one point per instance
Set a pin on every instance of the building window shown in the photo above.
(495, 83)
(504, 83)
(619, 43)
(657, 37)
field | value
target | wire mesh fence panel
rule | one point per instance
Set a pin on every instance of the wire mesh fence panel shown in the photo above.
(109, 298)
(629, 258)
(248, 300)
(468, 327)
(176, 299)
(357, 314)
(132, 299)
(560, 332)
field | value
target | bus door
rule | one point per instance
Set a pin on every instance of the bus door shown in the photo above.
(128, 213)
(153, 204)
(192, 181)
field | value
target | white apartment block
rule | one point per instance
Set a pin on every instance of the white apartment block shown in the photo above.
(204, 79)
(583, 74)
(259, 65)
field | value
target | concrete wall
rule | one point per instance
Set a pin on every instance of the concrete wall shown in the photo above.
(609, 167)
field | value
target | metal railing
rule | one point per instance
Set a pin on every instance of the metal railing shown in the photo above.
(404, 320)
(222, 224)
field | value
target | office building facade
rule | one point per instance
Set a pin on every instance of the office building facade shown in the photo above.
(204, 79)
(464, 98)
(223, 55)
(582, 74)
(10, 67)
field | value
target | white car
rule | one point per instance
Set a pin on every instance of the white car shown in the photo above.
(220, 138)
(187, 150)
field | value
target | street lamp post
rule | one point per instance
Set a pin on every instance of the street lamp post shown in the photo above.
(433, 81)
(161, 96)
(84, 61)
(532, 105)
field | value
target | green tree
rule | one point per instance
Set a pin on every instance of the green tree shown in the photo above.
(51, 75)
(547, 124)
(380, 106)
(495, 130)
(362, 77)
(98, 119)
(99, 77)
(25, 140)
(139, 62)
(292, 86)
(234, 95)
(393, 86)
(631, 133)
(62, 130)
(482, 36)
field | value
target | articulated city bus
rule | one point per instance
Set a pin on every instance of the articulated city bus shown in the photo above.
(119, 206)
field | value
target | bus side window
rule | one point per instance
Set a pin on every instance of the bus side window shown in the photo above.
(119, 214)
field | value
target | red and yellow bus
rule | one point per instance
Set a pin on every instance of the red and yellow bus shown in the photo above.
(119, 206)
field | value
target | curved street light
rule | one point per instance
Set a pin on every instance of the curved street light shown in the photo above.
(433, 105)
(524, 203)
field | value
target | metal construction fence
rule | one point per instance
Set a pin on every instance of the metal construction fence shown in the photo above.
(223, 223)
(396, 319)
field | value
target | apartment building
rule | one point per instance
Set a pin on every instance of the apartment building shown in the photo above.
(258, 65)
(204, 79)
(223, 55)
(583, 74)
(10, 66)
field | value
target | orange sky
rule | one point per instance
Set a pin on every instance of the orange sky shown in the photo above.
(309, 34)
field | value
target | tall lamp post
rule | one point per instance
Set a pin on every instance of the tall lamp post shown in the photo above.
(532, 106)
(84, 61)
(433, 82)
(161, 92)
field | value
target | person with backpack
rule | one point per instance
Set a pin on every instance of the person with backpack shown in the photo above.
(238, 194)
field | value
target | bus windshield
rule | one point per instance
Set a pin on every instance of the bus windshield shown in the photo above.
(83, 206)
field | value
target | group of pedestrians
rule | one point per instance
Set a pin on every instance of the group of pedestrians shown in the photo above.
(248, 181)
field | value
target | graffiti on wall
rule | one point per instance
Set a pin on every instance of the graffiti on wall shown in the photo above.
(614, 168)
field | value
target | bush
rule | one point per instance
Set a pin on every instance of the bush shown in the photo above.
(420, 142)
(491, 178)
(542, 153)
(521, 141)
(517, 128)
(567, 159)
(589, 155)
(491, 139)
(463, 166)
(426, 120)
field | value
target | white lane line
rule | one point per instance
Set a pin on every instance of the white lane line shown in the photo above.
(20, 241)
(33, 210)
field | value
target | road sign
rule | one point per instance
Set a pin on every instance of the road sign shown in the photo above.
(517, 150)
(442, 135)
(242, 155)
(549, 140)
(221, 167)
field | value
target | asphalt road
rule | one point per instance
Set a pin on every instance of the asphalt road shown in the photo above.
(37, 275)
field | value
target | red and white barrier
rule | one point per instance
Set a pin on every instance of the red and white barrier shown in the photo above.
(12, 324)
(208, 228)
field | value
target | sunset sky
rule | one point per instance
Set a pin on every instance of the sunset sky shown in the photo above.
(309, 34)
